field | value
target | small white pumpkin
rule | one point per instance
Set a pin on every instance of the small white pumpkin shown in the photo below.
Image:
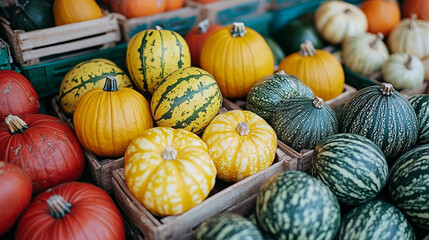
(403, 71)
(337, 20)
(410, 36)
(364, 54)
(425, 61)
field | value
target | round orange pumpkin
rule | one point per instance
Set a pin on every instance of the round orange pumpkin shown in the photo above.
(138, 8)
(174, 4)
(66, 11)
(418, 7)
(382, 15)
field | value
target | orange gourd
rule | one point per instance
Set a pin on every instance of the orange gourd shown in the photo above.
(207, 1)
(418, 7)
(66, 11)
(318, 69)
(382, 15)
(138, 8)
(174, 4)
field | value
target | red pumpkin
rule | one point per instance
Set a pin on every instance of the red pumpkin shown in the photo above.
(419, 7)
(17, 95)
(15, 194)
(44, 147)
(197, 37)
(71, 210)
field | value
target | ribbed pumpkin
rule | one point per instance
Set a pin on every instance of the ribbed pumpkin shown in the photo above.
(237, 57)
(420, 104)
(86, 76)
(106, 120)
(403, 71)
(410, 36)
(419, 7)
(66, 11)
(384, 116)
(364, 54)
(241, 144)
(174, 4)
(318, 69)
(338, 20)
(138, 8)
(169, 170)
(152, 55)
(188, 98)
(197, 37)
(382, 15)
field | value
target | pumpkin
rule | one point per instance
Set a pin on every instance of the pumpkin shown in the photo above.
(382, 15)
(277, 51)
(364, 54)
(169, 170)
(30, 15)
(410, 36)
(71, 210)
(318, 69)
(107, 119)
(241, 144)
(174, 4)
(138, 8)
(18, 95)
(403, 71)
(419, 7)
(86, 76)
(152, 55)
(188, 98)
(66, 11)
(420, 104)
(338, 20)
(237, 57)
(196, 38)
(206, 1)
(425, 61)
(384, 116)
(15, 194)
(44, 147)
(269, 94)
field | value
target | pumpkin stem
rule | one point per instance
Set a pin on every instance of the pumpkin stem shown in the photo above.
(203, 26)
(111, 84)
(377, 39)
(318, 102)
(386, 89)
(347, 11)
(169, 153)
(408, 62)
(281, 72)
(238, 29)
(15, 124)
(243, 129)
(413, 21)
(157, 27)
(307, 49)
(58, 206)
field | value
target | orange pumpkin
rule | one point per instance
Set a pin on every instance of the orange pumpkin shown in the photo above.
(419, 7)
(66, 11)
(206, 1)
(138, 8)
(174, 4)
(318, 69)
(382, 15)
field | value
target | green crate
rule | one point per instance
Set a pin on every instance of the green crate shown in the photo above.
(5, 57)
(260, 22)
(47, 77)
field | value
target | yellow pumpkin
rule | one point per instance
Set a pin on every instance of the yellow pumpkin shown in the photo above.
(237, 57)
(169, 170)
(318, 69)
(72, 11)
(106, 120)
(240, 143)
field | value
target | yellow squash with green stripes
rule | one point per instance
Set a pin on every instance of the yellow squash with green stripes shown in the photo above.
(153, 54)
(86, 76)
(189, 99)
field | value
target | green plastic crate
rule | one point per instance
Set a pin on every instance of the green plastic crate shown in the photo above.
(5, 57)
(47, 77)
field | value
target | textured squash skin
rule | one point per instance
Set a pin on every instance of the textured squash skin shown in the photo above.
(420, 104)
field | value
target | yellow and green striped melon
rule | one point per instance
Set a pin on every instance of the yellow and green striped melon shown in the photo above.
(86, 76)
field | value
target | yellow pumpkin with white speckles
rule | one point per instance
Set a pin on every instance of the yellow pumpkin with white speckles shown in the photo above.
(240, 143)
(169, 170)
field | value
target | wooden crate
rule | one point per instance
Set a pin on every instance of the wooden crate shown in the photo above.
(29, 48)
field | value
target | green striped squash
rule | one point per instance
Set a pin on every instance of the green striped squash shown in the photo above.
(303, 122)
(228, 226)
(269, 93)
(188, 98)
(409, 184)
(153, 54)
(382, 115)
(86, 76)
(352, 166)
(420, 104)
(375, 220)
(294, 205)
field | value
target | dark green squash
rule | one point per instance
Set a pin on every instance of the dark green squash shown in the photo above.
(420, 104)
(276, 50)
(29, 15)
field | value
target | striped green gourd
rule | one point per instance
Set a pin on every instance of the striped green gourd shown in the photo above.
(352, 166)
(188, 98)
(382, 115)
(420, 104)
(375, 220)
(303, 122)
(409, 184)
(269, 93)
(295, 205)
(228, 226)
